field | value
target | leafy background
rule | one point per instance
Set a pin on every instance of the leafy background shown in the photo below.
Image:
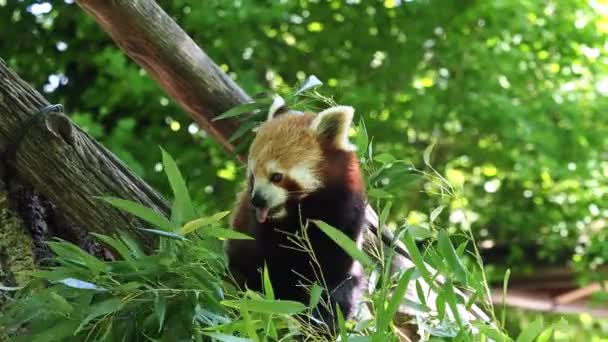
(513, 94)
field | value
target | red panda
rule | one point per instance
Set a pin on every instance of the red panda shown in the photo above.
(301, 167)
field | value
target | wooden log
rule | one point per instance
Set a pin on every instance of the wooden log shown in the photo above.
(65, 164)
(152, 39)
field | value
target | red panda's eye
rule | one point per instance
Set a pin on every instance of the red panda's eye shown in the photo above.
(276, 177)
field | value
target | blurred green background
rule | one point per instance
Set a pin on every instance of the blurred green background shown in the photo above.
(513, 93)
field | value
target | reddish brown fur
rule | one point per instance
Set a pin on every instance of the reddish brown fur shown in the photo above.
(288, 140)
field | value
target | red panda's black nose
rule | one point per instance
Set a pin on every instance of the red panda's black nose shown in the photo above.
(258, 200)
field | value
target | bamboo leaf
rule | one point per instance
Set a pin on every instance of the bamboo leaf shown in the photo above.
(449, 253)
(267, 306)
(163, 233)
(346, 243)
(201, 222)
(397, 297)
(436, 212)
(100, 309)
(140, 211)
(81, 284)
(183, 207)
(268, 284)
(531, 331)
(311, 82)
(315, 295)
(416, 257)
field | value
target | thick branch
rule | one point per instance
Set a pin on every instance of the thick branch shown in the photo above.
(149, 36)
(65, 164)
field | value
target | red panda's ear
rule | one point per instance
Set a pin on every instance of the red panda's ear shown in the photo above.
(277, 107)
(332, 125)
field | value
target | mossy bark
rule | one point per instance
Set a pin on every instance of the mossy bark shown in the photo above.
(16, 250)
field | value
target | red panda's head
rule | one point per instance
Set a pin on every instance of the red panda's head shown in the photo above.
(294, 155)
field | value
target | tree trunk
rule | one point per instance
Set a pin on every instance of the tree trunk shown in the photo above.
(16, 249)
(50, 172)
(58, 159)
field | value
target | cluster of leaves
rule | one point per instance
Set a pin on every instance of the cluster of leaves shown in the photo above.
(182, 291)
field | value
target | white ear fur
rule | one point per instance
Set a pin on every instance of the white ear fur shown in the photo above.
(277, 103)
(333, 124)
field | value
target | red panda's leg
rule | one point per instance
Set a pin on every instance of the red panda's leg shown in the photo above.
(243, 255)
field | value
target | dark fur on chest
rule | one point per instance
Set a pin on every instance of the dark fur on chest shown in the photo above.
(288, 266)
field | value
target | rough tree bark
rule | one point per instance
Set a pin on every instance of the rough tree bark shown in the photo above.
(61, 161)
(152, 39)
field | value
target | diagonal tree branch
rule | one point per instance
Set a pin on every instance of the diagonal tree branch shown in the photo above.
(152, 39)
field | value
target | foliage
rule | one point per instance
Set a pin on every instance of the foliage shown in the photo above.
(183, 292)
(511, 94)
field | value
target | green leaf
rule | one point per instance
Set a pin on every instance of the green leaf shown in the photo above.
(267, 306)
(385, 158)
(397, 297)
(184, 210)
(244, 108)
(223, 233)
(59, 331)
(449, 253)
(101, 309)
(81, 284)
(450, 298)
(133, 245)
(420, 293)
(546, 335)
(342, 325)
(138, 210)
(268, 284)
(491, 332)
(440, 305)
(346, 243)
(311, 82)
(315, 295)
(245, 128)
(414, 253)
(426, 155)
(378, 193)
(362, 138)
(505, 285)
(117, 245)
(420, 232)
(436, 212)
(204, 221)
(160, 308)
(70, 252)
(531, 331)
(60, 304)
(163, 233)
(227, 338)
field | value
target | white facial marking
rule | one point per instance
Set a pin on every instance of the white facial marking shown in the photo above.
(305, 176)
(273, 194)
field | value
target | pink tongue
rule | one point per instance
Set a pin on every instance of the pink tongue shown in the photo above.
(262, 214)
